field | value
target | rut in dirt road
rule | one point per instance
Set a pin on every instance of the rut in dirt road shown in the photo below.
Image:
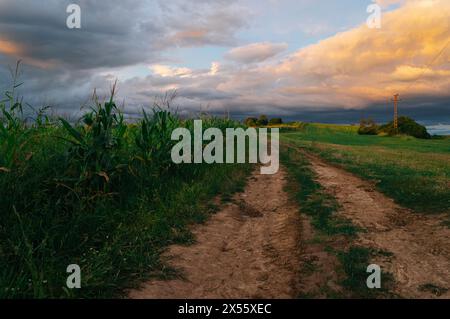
(420, 244)
(247, 250)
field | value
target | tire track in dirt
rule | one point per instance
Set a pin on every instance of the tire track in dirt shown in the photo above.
(247, 250)
(420, 244)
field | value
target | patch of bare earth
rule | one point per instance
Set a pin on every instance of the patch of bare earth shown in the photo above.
(247, 250)
(420, 244)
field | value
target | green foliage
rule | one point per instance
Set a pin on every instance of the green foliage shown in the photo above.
(93, 160)
(251, 121)
(354, 263)
(368, 127)
(323, 208)
(406, 126)
(263, 120)
(12, 125)
(154, 139)
(100, 193)
(275, 121)
(312, 198)
(412, 171)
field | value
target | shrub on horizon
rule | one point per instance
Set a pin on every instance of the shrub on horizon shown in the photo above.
(263, 120)
(406, 126)
(251, 121)
(275, 121)
(368, 127)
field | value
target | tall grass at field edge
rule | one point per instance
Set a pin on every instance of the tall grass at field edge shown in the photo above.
(99, 193)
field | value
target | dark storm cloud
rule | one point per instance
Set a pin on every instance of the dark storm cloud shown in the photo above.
(114, 33)
(130, 39)
(62, 66)
(203, 22)
(428, 110)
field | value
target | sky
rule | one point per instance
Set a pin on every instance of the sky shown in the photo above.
(310, 60)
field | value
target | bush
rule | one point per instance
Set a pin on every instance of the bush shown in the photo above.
(251, 121)
(368, 127)
(276, 121)
(263, 120)
(406, 126)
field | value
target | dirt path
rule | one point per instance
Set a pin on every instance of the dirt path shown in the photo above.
(420, 245)
(247, 250)
(259, 246)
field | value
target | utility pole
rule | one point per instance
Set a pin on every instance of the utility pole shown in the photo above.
(396, 100)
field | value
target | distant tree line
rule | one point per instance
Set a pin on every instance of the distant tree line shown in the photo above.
(263, 120)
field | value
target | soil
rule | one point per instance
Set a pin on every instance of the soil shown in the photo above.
(249, 249)
(415, 247)
(260, 246)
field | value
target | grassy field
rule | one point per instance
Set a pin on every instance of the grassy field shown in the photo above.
(416, 173)
(100, 193)
(105, 194)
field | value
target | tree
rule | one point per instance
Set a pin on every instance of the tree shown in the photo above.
(406, 126)
(263, 120)
(251, 121)
(276, 121)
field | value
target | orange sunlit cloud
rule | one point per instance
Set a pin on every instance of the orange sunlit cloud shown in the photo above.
(10, 48)
(370, 63)
(19, 52)
(212, 64)
(362, 66)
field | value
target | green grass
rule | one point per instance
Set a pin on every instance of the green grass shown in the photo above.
(347, 135)
(413, 172)
(311, 196)
(102, 194)
(323, 210)
(354, 263)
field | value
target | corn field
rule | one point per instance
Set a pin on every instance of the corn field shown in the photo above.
(100, 193)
